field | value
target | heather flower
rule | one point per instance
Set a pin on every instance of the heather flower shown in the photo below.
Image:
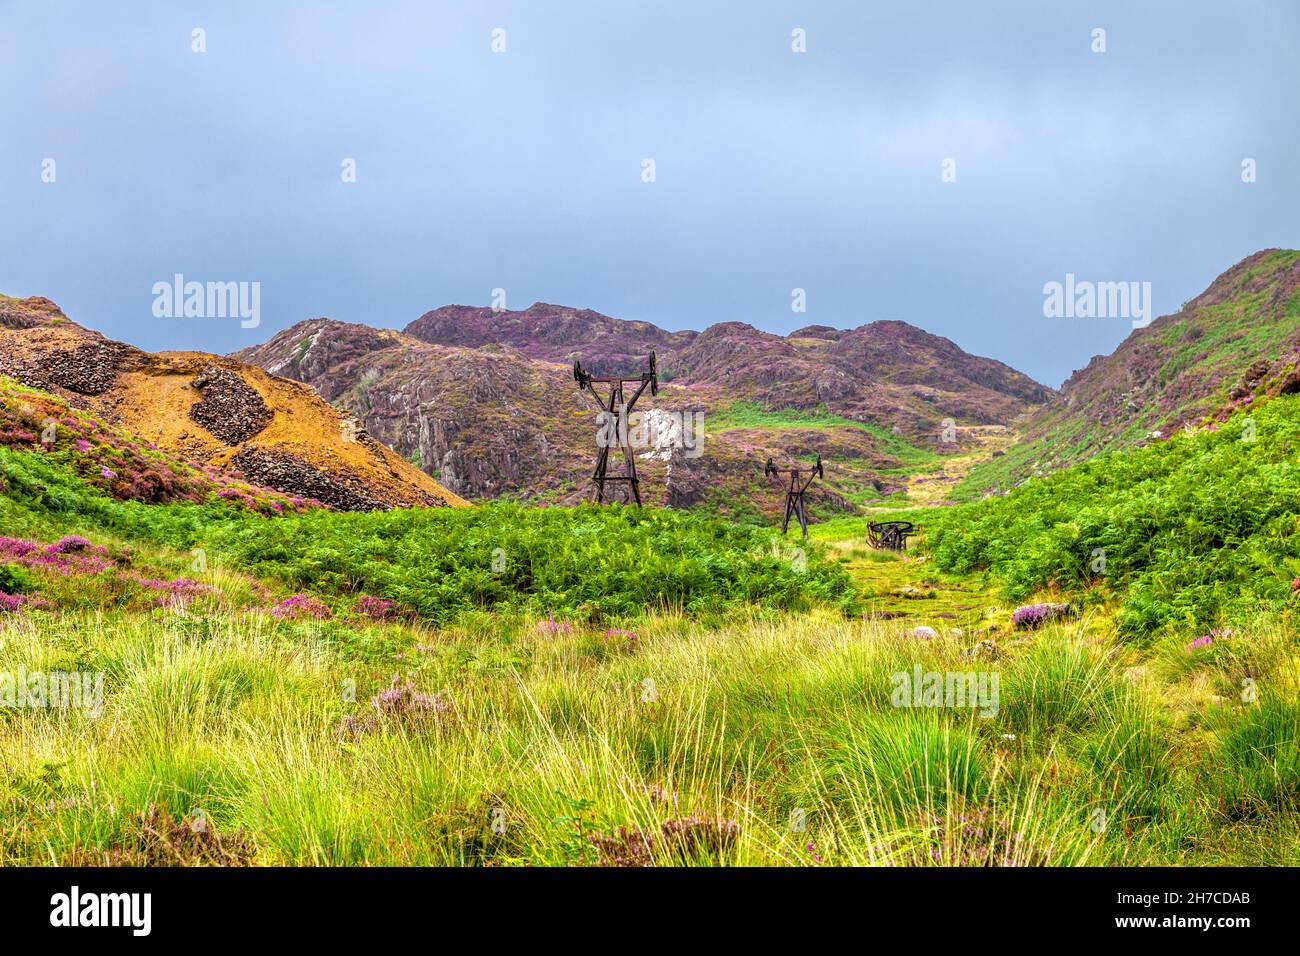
(686, 838)
(66, 556)
(17, 547)
(11, 603)
(629, 638)
(68, 544)
(1029, 616)
(1032, 615)
(1208, 639)
(82, 445)
(1295, 584)
(626, 847)
(301, 606)
(177, 591)
(400, 701)
(17, 436)
(376, 607)
(68, 564)
(552, 626)
(106, 472)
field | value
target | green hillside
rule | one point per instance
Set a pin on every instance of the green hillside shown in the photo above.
(1198, 530)
(1236, 342)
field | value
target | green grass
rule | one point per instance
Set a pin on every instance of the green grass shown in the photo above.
(1191, 532)
(704, 694)
(783, 729)
(748, 414)
(587, 562)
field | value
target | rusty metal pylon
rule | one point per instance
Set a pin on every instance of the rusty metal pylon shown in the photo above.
(794, 496)
(616, 406)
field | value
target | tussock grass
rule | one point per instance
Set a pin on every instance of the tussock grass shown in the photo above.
(764, 742)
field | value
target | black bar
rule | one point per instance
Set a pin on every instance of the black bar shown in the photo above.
(934, 907)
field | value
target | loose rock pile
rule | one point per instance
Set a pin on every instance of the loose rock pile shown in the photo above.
(293, 476)
(230, 409)
(87, 369)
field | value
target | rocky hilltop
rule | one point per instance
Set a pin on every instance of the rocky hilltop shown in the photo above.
(217, 412)
(552, 333)
(485, 400)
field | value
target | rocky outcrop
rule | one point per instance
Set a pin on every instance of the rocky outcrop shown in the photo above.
(28, 313)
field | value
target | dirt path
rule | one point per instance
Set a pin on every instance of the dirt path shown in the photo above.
(935, 486)
(906, 586)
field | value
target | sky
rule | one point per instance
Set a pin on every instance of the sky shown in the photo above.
(934, 162)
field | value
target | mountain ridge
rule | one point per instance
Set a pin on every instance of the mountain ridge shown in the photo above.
(485, 400)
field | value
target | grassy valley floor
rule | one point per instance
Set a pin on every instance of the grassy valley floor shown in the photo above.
(282, 684)
(229, 735)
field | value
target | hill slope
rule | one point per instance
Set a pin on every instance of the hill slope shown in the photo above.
(1235, 342)
(213, 411)
(890, 373)
(485, 400)
(1196, 531)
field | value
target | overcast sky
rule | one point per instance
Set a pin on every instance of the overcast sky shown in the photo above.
(523, 170)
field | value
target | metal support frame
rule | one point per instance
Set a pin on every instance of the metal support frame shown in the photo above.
(616, 406)
(890, 535)
(794, 496)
